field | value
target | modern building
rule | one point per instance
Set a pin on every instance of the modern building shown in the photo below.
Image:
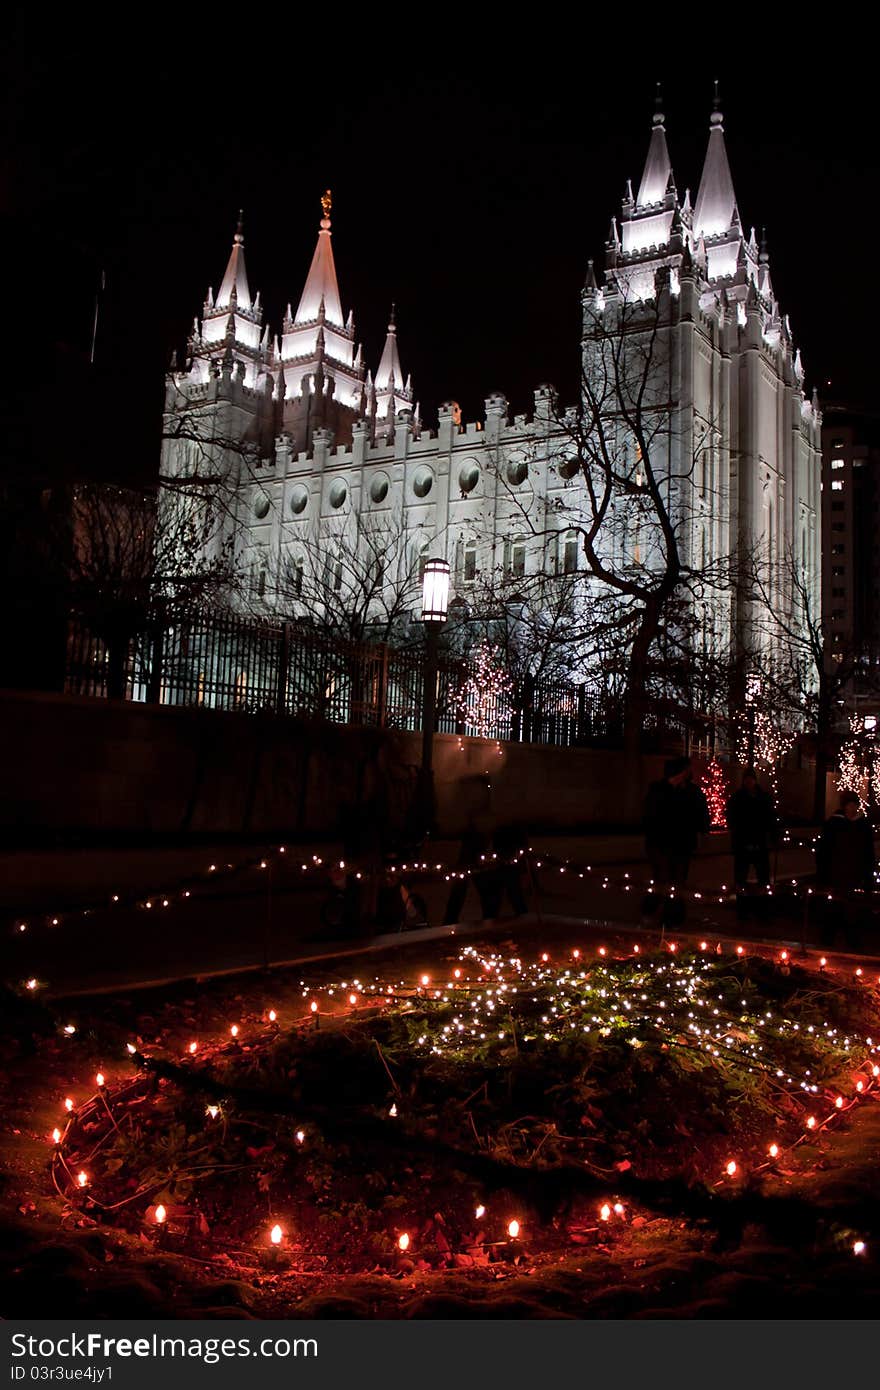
(851, 525)
(316, 447)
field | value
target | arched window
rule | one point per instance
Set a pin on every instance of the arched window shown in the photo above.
(467, 560)
(259, 576)
(570, 550)
(516, 557)
(333, 571)
(297, 575)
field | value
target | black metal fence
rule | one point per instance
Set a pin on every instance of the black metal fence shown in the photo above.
(225, 662)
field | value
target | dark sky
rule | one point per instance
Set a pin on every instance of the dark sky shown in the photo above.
(472, 178)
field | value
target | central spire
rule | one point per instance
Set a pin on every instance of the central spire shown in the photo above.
(715, 207)
(657, 166)
(321, 284)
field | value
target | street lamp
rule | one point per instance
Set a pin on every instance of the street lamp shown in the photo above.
(435, 609)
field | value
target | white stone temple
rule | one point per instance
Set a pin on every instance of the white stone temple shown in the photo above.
(315, 445)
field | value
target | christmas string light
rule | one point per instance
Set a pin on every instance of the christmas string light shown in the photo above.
(484, 691)
(600, 988)
(583, 871)
(714, 788)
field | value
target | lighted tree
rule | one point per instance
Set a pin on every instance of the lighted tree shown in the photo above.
(714, 786)
(762, 743)
(859, 765)
(483, 696)
(809, 671)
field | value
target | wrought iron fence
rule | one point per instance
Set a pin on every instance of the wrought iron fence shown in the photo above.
(224, 662)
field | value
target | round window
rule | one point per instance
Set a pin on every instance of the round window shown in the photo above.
(517, 471)
(261, 506)
(468, 477)
(379, 487)
(299, 499)
(569, 468)
(338, 493)
(423, 482)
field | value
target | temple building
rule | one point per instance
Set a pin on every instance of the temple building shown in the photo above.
(315, 446)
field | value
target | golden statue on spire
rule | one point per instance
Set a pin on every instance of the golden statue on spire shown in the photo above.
(326, 201)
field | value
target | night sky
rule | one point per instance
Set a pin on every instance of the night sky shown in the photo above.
(472, 178)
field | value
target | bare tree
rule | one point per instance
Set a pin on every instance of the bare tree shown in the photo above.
(209, 448)
(535, 621)
(645, 480)
(130, 577)
(643, 486)
(360, 582)
(808, 673)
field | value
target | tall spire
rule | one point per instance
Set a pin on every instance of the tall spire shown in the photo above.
(657, 166)
(318, 352)
(392, 393)
(389, 367)
(716, 201)
(235, 278)
(321, 280)
(231, 320)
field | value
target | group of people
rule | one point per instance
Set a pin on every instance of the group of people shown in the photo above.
(491, 860)
(677, 814)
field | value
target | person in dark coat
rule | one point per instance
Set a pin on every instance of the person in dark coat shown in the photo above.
(509, 843)
(474, 851)
(754, 828)
(676, 814)
(845, 862)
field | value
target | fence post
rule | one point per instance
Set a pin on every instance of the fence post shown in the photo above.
(154, 688)
(283, 664)
(581, 734)
(382, 688)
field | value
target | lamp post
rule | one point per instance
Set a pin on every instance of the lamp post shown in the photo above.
(435, 609)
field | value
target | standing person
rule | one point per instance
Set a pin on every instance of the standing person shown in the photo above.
(509, 842)
(676, 814)
(474, 847)
(845, 863)
(754, 827)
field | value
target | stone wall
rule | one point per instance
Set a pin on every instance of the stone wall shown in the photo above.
(98, 767)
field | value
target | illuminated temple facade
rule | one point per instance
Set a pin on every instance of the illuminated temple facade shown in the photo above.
(333, 444)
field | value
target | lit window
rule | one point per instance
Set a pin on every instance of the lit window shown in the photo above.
(837, 485)
(333, 572)
(518, 557)
(469, 563)
(570, 554)
(837, 463)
